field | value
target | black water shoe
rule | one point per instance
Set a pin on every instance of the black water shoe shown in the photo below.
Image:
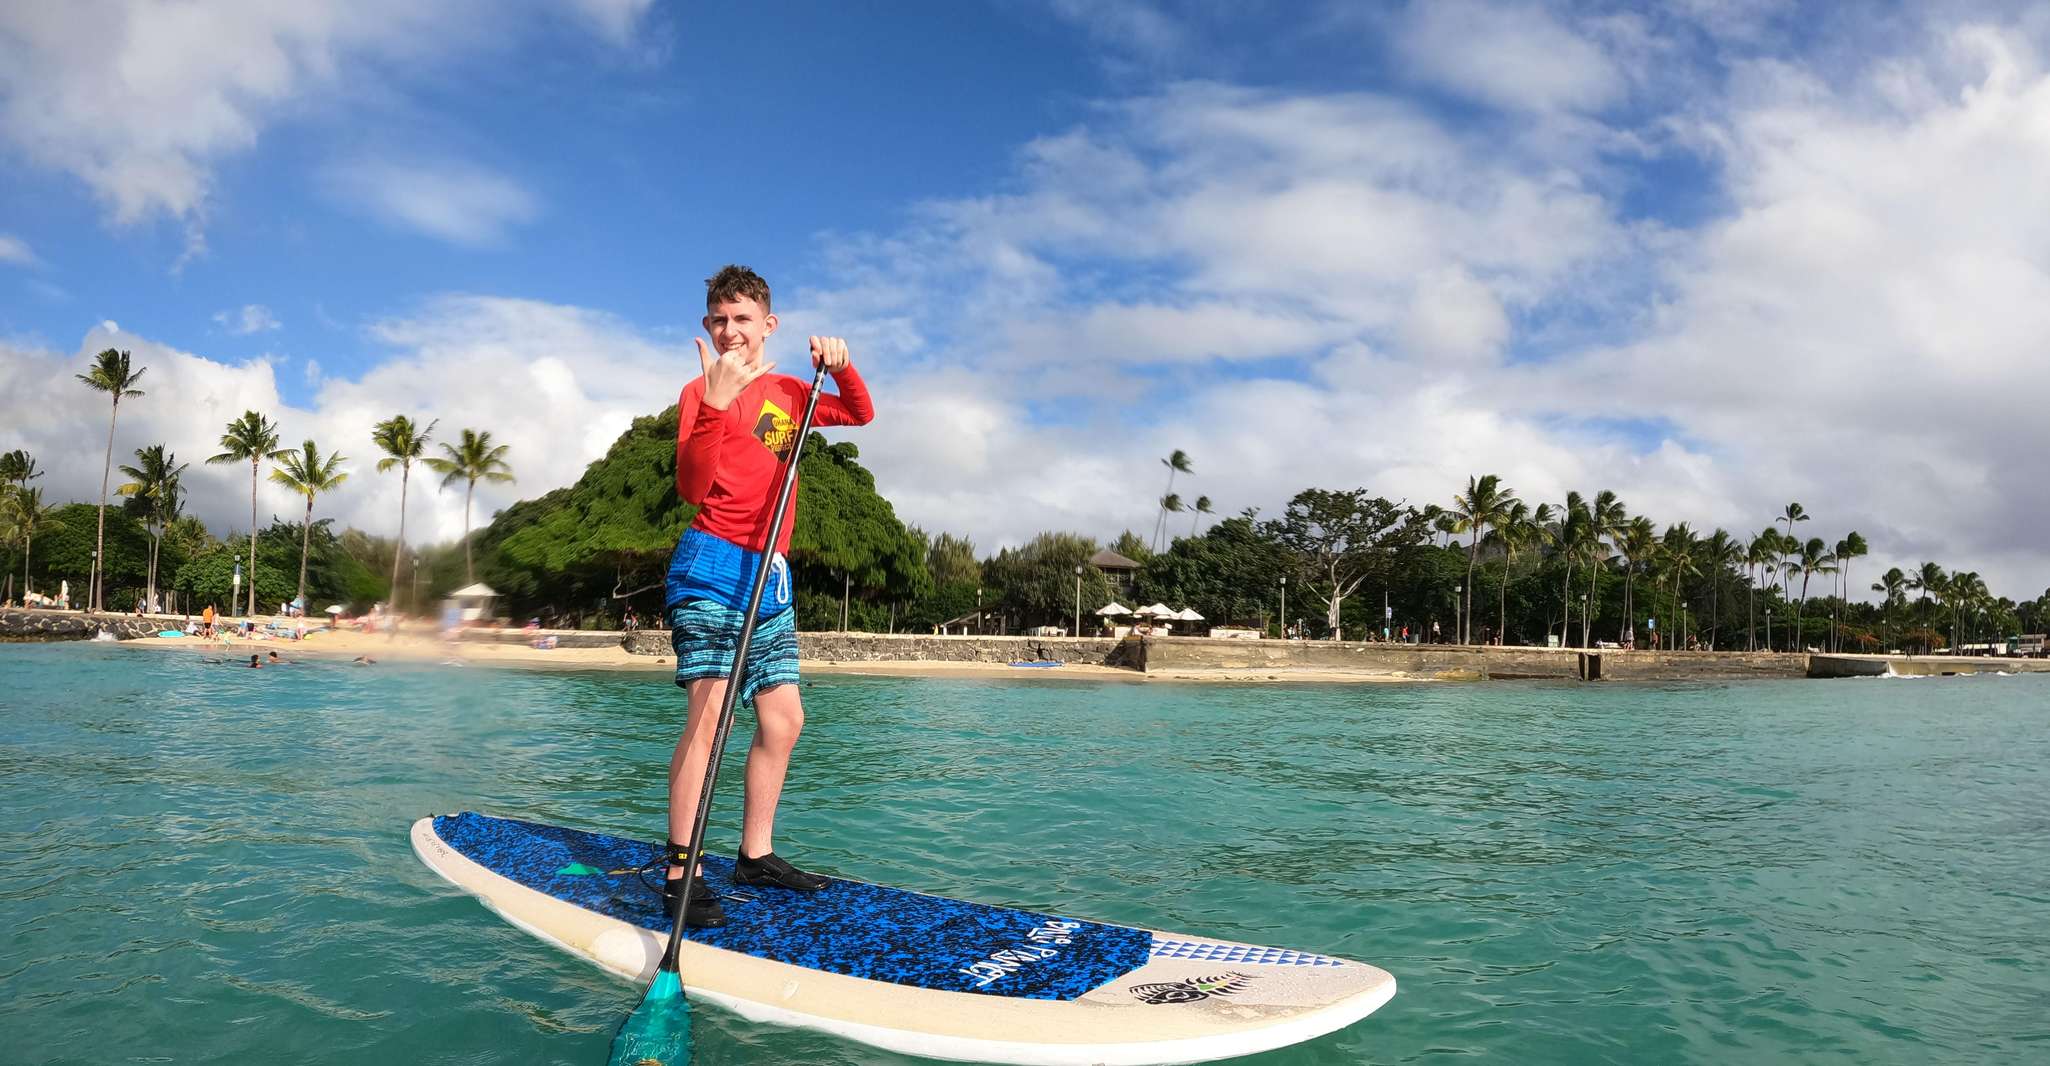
(705, 911)
(770, 870)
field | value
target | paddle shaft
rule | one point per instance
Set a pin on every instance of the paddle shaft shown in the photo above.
(731, 701)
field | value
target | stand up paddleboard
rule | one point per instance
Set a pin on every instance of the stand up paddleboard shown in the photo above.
(909, 972)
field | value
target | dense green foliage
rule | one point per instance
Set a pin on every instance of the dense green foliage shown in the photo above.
(333, 576)
(587, 552)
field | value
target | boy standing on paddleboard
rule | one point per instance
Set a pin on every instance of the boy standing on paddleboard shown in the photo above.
(735, 426)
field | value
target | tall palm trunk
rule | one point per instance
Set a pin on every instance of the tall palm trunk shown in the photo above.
(1800, 609)
(469, 567)
(1715, 593)
(1594, 570)
(1566, 605)
(100, 539)
(28, 544)
(305, 543)
(255, 479)
(405, 476)
(1502, 600)
(1473, 554)
(1750, 615)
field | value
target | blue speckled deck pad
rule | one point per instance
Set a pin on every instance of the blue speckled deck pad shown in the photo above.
(851, 928)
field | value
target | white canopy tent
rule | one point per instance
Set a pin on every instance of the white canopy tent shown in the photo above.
(1113, 607)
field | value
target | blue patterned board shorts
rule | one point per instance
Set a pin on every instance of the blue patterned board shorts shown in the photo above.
(704, 634)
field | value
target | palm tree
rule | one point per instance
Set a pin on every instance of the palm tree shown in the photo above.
(17, 468)
(1605, 520)
(1486, 502)
(1678, 554)
(155, 486)
(402, 443)
(1177, 463)
(1815, 558)
(252, 439)
(1520, 530)
(1201, 508)
(1852, 546)
(477, 459)
(306, 472)
(1794, 513)
(1760, 554)
(1171, 504)
(23, 514)
(110, 374)
(1968, 595)
(1637, 543)
(1892, 588)
(1717, 553)
(1567, 533)
(1929, 580)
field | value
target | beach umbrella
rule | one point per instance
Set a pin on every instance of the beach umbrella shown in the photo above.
(334, 608)
(1156, 610)
(1189, 615)
(1114, 607)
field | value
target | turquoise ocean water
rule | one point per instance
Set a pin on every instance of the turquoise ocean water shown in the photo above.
(200, 863)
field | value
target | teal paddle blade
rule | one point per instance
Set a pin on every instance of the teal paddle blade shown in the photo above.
(657, 1033)
(577, 869)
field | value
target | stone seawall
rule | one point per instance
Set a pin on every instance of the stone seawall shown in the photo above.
(1920, 665)
(1464, 662)
(39, 625)
(564, 638)
(921, 648)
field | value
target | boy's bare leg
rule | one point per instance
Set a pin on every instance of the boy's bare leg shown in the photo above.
(687, 762)
(779, 718)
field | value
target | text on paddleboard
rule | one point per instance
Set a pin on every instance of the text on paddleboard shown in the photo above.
(1042, 941)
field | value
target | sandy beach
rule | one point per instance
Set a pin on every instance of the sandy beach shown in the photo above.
(347, 645)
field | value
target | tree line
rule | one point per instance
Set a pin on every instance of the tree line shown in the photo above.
(1576, 572)
(205, 568)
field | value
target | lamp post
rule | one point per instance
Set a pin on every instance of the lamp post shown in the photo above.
(1768, 629)
(978, 610)
(1586, 621)
(236, 596)
(1078, 601)
(416, 585)
(1284, 607)
(1458, 616)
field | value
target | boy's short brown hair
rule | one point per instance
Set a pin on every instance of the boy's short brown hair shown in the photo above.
(734, 281)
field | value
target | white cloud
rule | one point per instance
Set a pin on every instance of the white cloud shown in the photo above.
(15, 250)
(1511, 55)
(252, 318)
(612, 20)
(450, 200)
(140, 100)
(1862, 331)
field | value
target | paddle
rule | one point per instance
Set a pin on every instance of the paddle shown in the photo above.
(657, 1033)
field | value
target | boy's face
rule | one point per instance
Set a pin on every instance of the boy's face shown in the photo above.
(739, 325)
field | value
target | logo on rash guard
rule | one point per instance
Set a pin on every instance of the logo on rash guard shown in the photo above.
(775, 429)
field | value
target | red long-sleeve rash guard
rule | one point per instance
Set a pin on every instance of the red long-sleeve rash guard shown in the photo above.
(727, 462)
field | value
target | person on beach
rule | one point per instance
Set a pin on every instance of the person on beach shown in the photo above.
(736, 424)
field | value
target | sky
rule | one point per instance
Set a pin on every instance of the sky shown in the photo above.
(1715, 255)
